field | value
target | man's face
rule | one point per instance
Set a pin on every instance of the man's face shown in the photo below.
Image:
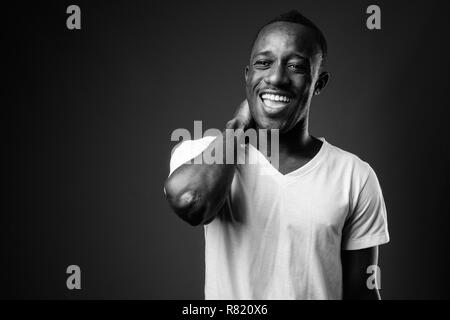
(280, 79)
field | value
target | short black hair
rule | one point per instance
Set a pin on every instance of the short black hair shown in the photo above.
(296, 17)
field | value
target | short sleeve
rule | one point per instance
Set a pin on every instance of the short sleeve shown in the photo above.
(366, 225)
(188, 150)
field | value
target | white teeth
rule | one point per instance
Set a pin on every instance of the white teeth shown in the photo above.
(275, 97)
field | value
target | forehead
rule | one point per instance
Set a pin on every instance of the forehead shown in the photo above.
(284, 37)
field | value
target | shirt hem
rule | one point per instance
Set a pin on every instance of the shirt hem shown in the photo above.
(366, 242)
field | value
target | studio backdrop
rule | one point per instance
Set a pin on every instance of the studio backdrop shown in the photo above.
(89, 114)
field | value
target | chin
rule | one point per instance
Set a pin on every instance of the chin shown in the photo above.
(269, 124)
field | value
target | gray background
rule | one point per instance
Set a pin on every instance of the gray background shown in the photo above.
(89, 115)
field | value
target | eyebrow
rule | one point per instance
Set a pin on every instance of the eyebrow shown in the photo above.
(269, 53)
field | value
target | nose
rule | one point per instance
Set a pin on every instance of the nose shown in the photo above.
(277, 75)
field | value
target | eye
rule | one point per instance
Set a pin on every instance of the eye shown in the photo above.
(297, 68)
(262, 64)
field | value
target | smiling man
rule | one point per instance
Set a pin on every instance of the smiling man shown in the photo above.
(308, 229)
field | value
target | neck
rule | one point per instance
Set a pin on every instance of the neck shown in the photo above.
(296, 140)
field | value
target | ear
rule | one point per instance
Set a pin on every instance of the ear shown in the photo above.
(322, 81)
(247, 68)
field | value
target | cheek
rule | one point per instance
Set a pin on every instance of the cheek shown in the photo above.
(303, 84)
(248, 88)
(253, 80)
(251, 84)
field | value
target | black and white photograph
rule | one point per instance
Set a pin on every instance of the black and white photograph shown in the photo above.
(251, 151)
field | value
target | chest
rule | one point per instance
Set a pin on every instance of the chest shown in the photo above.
(314, 201)
(290, 164)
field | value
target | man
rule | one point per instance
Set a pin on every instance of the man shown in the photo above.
(308, 230)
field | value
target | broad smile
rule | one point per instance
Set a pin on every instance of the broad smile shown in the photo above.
(274, 102)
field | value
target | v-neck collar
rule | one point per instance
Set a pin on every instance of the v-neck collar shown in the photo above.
(311, 164)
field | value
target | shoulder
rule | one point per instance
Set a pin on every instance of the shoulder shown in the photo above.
(193, 146)
(354, 173)
(348, 164)
(187, 150)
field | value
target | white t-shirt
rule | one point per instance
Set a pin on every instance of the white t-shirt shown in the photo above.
(280, 236)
